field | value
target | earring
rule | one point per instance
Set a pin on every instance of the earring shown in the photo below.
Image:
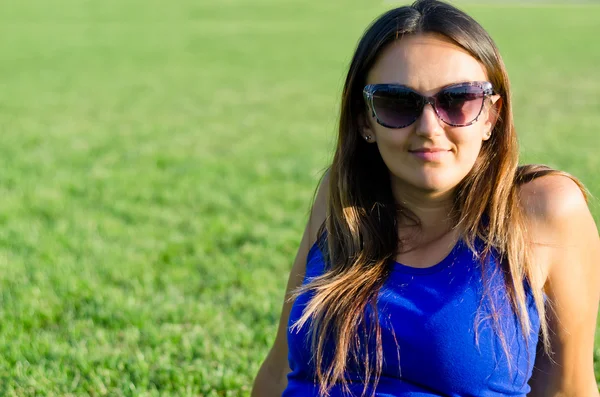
(368, 137)
(488, 135)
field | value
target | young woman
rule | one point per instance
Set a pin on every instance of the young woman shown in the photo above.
(432, 264)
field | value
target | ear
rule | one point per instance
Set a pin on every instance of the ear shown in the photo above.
(366, 131)
(492, 114)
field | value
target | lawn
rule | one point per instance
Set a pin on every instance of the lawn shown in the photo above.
(158, 161)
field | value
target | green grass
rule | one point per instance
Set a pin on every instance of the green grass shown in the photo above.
(158, 161)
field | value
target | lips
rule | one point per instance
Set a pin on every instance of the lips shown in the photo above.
(429, 150)
(430, 154)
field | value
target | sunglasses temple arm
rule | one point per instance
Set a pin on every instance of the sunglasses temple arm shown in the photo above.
(370, 102)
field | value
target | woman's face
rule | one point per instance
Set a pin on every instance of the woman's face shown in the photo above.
(426, 63)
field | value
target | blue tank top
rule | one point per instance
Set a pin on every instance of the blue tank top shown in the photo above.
(427, 318)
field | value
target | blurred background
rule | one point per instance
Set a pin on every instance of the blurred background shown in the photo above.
(158, 163)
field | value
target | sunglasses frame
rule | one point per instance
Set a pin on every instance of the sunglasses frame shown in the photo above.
(371, 89)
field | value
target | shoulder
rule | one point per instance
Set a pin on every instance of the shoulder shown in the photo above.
(566, 246)
(276, 367)
(558, 220)
(552, 199)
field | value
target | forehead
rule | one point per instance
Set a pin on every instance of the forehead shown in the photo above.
(425, 63)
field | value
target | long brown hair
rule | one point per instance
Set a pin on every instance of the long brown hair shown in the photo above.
(362, 215)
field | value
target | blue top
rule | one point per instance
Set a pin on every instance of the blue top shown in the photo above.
(432, 312)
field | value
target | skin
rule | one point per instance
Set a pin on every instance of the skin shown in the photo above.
(567, 246)
(566, 243)
(427, 63)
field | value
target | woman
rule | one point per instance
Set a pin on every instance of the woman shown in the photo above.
(432, 265)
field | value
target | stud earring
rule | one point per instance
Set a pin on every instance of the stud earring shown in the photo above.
(368, 137)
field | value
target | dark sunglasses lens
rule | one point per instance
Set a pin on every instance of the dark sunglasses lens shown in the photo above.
(396, 108)
(460, 105)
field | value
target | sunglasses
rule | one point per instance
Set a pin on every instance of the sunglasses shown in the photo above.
(397, 106)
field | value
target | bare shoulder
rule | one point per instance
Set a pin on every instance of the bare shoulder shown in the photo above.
(273, 372)
(567, 247)
(552, 199)
(558, 220)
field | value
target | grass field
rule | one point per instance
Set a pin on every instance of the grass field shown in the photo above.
(158, 161)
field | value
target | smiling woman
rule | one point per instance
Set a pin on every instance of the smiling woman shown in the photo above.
(432, 264)
(429, 154)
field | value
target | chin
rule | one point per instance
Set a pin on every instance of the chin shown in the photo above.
(435, 185)
(433, 181)
(435, 188)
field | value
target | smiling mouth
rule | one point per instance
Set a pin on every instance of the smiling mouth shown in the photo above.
(429, 150)
(430, 154)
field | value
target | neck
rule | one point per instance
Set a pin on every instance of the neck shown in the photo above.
(431, 208)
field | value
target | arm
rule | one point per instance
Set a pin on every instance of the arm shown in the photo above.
(567, 242)
(271, 379)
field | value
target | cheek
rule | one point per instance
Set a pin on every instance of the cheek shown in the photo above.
(395, 139)
(467, 150)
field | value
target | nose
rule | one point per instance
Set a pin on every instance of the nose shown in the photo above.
(428, 124)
